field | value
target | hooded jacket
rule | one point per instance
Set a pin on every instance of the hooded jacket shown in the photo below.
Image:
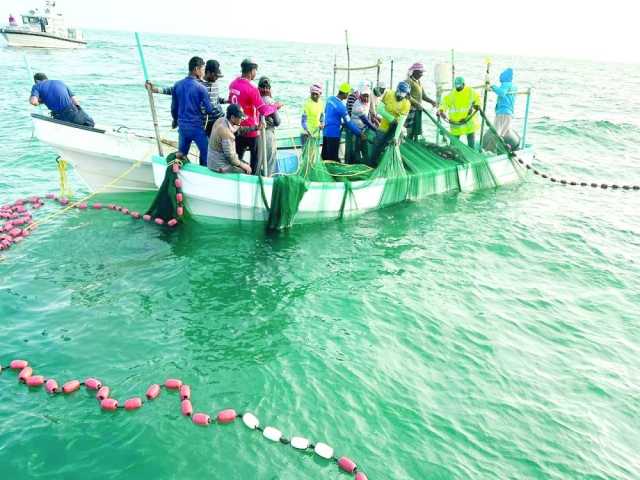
(506, 93)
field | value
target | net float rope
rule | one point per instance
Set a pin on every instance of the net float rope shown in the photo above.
(26, 375)
(14, 216)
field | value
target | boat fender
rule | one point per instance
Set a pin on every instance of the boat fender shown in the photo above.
(153, 391)
(227, 416)
(51, 386)
(25, 373)
(103, 393)
(109, 404)
(250, 420)
(133, 403)
(347, 464)
(185, 392)
(201, 419)
(35, 381)
(93, 384)
(173, 383)
(71, 386)
(18, 364)
(186, 408)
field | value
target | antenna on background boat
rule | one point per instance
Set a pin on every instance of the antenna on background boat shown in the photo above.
(152, 104)
(346, 38)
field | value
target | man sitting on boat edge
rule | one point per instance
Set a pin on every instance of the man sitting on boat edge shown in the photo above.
(223, 156)
(59, 99)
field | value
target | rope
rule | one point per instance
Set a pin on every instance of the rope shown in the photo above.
(72, 205)
(65, 190)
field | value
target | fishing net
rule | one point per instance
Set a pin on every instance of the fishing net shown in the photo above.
(165, 204)
(406, 170)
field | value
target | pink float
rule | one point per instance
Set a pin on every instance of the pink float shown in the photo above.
(173, 383)
(361, 476)
(227, 416)
(35, 381)
(201, 419)
(109, 404)
(186, 408)
(25, 373)
(180, 211)
(71, 386)
(153, 391)
(175, 167)
(51, 386)
(347, 464)
(18, 364)
(97, 206)
(185, 392)
(133, 403)
(146, 217)
(93, 383)
(103, 393)
(159, 221)
(173, 222)
(179, 197)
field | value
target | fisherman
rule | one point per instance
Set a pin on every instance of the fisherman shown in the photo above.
(417, 95)
(361, 117)
(211, 74)
(391, 108)
(335, 115)
(59, 99)
(312, 114)
(223, 157)
(378, 92)
(459, 108)
(506, 93)
(189, 100)
(267, 151)
(247, 95)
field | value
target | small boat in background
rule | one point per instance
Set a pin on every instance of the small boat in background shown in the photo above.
(44, 28)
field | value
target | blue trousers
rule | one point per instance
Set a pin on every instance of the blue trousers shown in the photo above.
(186, 135)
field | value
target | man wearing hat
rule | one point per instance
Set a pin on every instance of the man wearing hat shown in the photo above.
(458, 108)
(312, 119)
(416, 96)
(335, 115)
(244, 93)
(211, 75)
(223, 157)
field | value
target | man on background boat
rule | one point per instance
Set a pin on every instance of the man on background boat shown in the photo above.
(188, 101)
(244, 93)
(391, 107)
(335, 115)
(417, 95)
(59, 99)
(12, 21)
(223, 157)
(312, 120)
(458, 107)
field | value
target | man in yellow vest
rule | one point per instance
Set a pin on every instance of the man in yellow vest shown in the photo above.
(391, 108)
(458, 108)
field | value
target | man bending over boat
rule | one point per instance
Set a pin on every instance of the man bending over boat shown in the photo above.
(188, 101)
(223, 157)
(59, 99)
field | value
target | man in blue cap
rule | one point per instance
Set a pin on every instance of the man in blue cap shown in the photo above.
(59, 99)
(335, 115)
(188, 102)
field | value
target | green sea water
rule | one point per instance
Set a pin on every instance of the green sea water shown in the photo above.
(485, 335)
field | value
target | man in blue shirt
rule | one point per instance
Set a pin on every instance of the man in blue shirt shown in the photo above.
(335, 115)
(59, 99)
(188, 101)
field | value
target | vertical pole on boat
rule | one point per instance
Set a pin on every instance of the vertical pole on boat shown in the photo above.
(526, 119)
(487, 82)
(378, 71)
(152, 105)
(346, 38)
(263, 141)
(453, 67)
(391, 80)
(335, 67)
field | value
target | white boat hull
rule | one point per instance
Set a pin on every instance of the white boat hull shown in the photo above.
(39, 40)
(101, 157)
(209, 195)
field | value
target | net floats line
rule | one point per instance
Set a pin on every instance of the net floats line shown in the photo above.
(17, 214)
(574, 183)
(27, 377)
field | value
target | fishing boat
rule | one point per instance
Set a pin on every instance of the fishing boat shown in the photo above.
(44, 28)
(101, 154)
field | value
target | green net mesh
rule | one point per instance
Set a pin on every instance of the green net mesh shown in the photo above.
(164, 204)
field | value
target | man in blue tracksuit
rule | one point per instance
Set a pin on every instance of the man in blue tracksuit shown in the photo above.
(335, 115)
(59, 99)
(188, 101)
(506, 93)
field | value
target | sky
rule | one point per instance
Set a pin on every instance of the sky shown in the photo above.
(541, 28)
